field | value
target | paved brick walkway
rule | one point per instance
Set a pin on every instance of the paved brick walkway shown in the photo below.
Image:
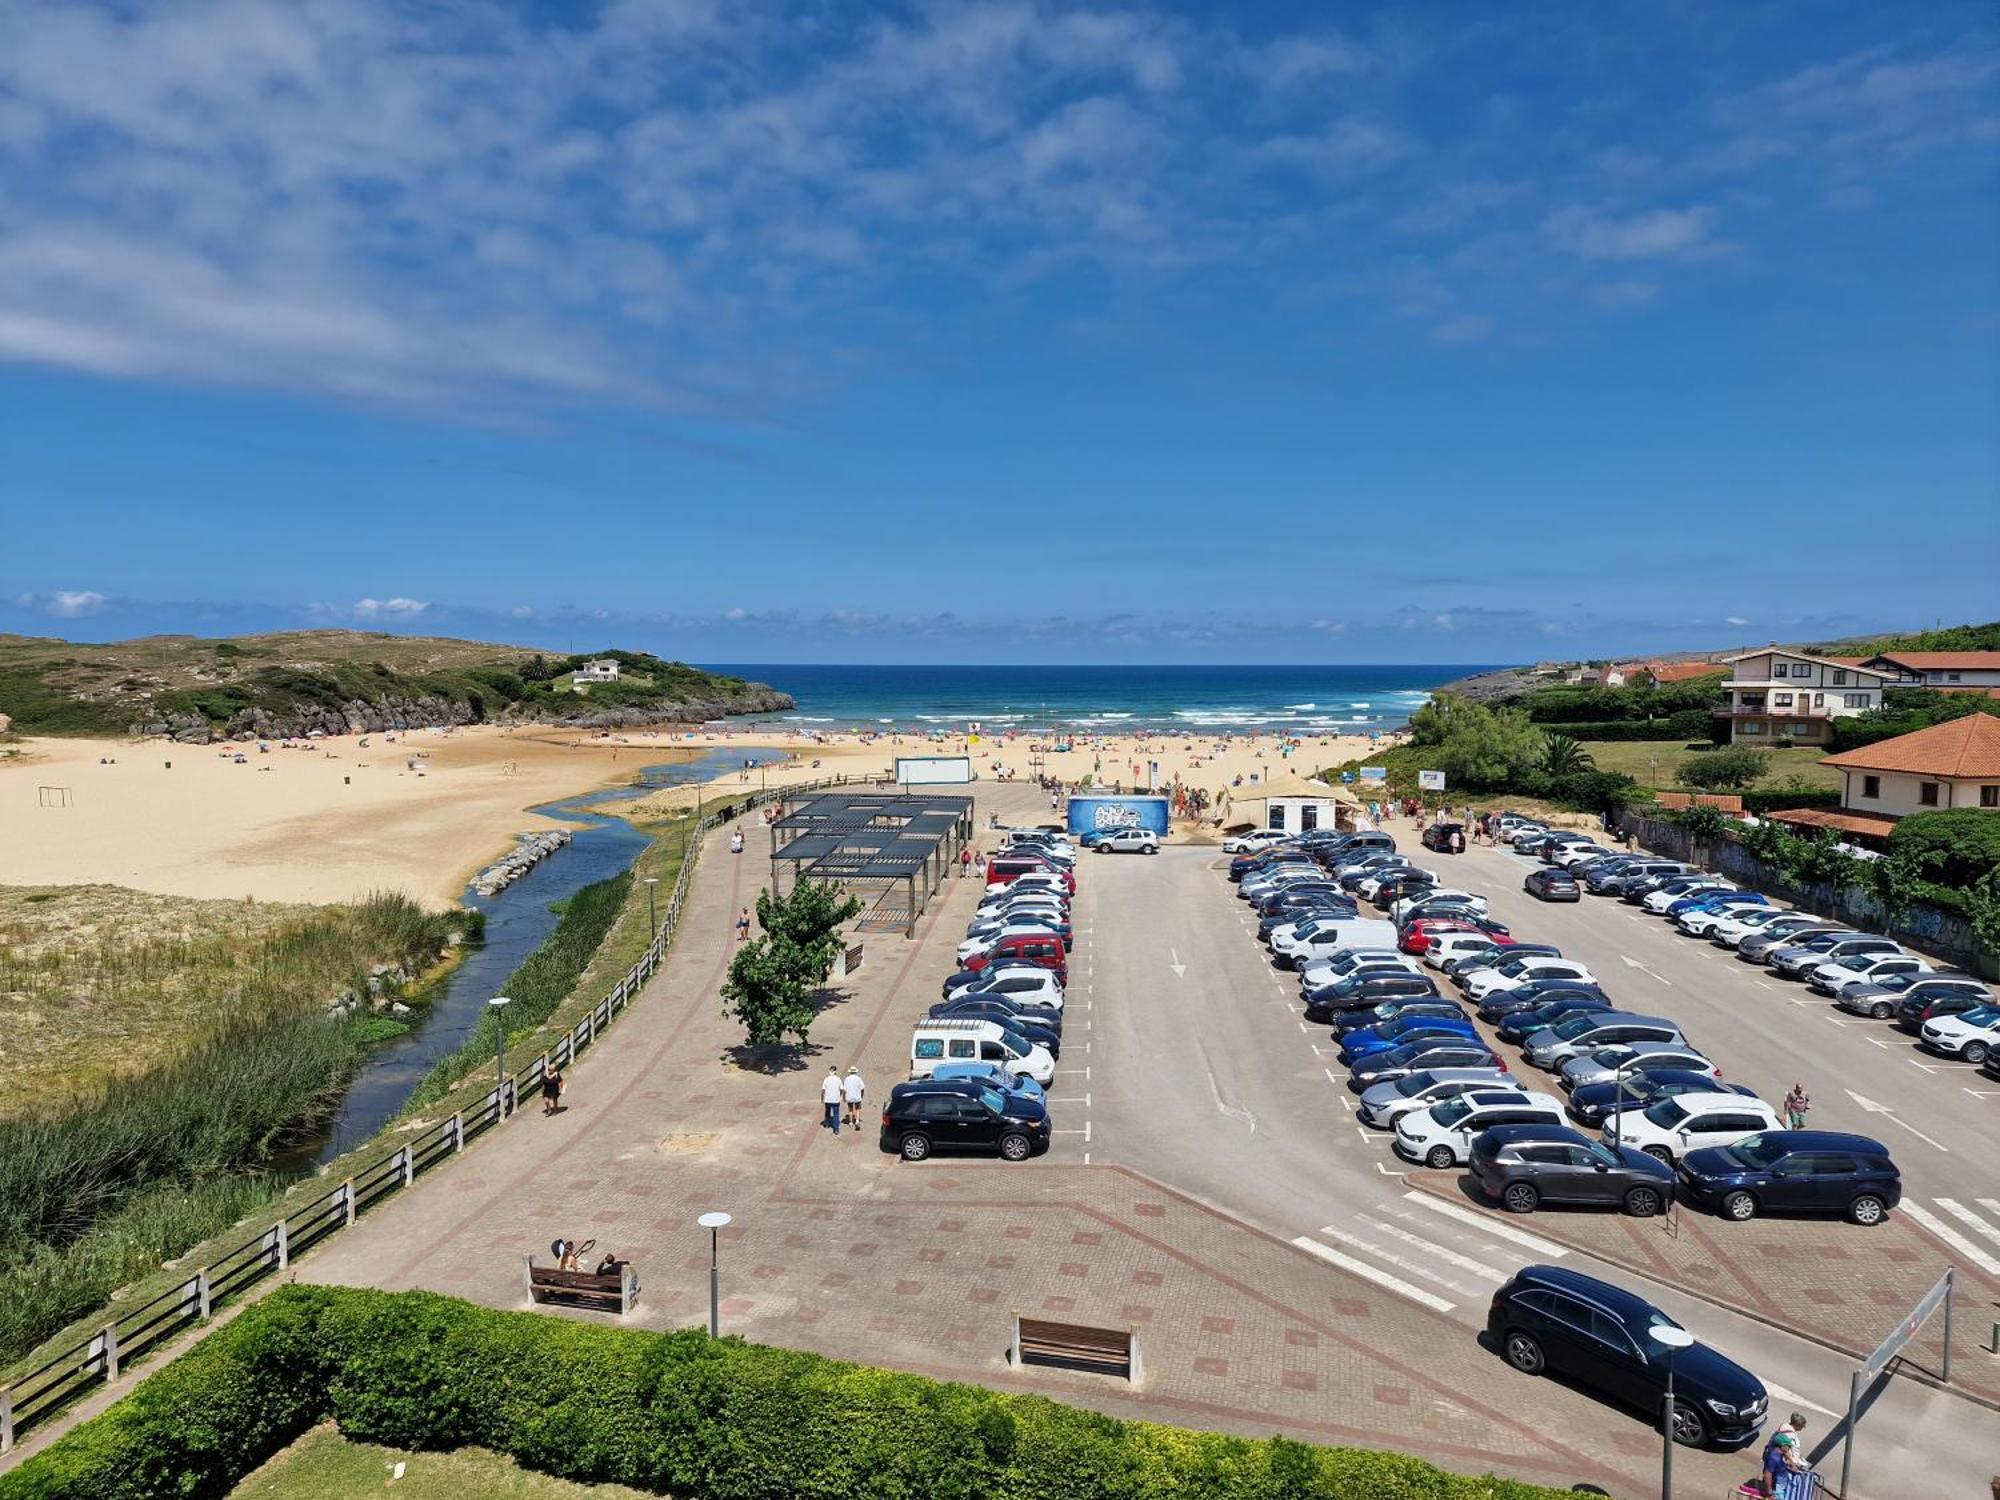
(842, 1249)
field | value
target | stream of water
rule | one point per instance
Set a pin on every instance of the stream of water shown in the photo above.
(518, 919)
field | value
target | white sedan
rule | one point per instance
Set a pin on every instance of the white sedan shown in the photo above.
(1410, 904)
(1658, 901)
(1831, 979)
(1519, 971)
(1441, 1135)
(1249, 843)
(1702, 923)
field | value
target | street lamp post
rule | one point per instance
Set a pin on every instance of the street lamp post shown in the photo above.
(1618, 1097)
(652, 914)
(713, 1223)
(1671, 1338)
(498, 1006)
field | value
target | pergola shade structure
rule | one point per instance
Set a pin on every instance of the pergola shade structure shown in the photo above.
(887, 844)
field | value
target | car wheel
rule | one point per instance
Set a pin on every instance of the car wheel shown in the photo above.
(1440, 1157)
(1642, 1202)
(1015, 1147)
(1739, 1207)
(1520, 1198)
(916, 1147)
(1152, 849)
(1866, 1210)
(1975, 1053)
(1880, 1012)
(1690, 1427)
(1524, 1353)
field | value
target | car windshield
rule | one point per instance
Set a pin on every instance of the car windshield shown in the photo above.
(1599, 1152)
(1576, 1026)
(1667, 1114)
(1755, 1152)
(1981, 1015)
(1452, 1110)
(1415, 1084)
(1016, 1044)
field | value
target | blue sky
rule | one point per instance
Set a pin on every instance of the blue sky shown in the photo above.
(977, 332)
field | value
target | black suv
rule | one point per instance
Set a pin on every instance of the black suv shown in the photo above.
(1364, 990)
(1524, 1166)
(962, 1114)
(1600, 1335)
(1933, 1002)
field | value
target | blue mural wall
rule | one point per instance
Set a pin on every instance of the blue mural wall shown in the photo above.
(1087, 812)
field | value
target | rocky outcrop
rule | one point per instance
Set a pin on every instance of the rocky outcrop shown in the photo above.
(532, 850)
(756, 698)
(1493, 688)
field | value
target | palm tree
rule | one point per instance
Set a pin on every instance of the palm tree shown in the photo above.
(1563, 756)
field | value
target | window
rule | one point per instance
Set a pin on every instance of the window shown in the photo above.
(1951, 677)
(1781, 669)
(1989, 796)
(963, 1047)
(1781, 700)
(1871, 786)
(1936, 676)
(1750, 726)
(1308, 816)
(1839, 677)
(1277, 816)
(1927, 793)
(1819, 700)
(930, 1049)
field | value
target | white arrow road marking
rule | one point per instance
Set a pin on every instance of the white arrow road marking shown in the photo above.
(1235, 1112)
(1482, 1221)
(1368, 1273)
(1882, 1109)
(1959, 1211)
(1782, 1397)
(1179, 968)
(1951, 1237)
(1633, 963)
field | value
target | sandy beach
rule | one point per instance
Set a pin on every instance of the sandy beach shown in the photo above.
(421, 811)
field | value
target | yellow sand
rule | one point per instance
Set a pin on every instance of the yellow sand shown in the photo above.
(335, 819)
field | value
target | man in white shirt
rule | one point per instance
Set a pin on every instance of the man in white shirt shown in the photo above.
(854, 1089)
(830, 1097)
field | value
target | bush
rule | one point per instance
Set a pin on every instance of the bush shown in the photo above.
(1729, 769)
(1953, 847)
(676, 1412)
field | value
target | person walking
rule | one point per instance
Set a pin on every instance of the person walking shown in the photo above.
(552, 1090)
(736, 841)
(854, 1090)
(1797, 1102)
(830, 1095)
(743, 924)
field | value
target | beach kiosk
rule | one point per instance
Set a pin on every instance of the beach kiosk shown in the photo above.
(1289, 804)
(1089, 812)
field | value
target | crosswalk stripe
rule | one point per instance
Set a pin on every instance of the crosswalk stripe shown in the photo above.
(1483, 1221)
(1959, 1211)
(1414, 1267)
(1991, 1205)
(1951, 1237)
(1478, 1268)
(1368, 1273)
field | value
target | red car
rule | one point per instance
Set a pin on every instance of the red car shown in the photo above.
(1005, 869)
(1034, 948)
(1417, 936)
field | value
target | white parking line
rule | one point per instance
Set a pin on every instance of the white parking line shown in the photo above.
(1478, 1268)
(1959, 1211)
(1368, 1273)
(1951, 1237)
(1782, 1397)
(1481, 1221)
(1415, 1268)
(1385, 1171)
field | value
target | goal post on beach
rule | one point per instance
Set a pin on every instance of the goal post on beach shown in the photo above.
(55, 796)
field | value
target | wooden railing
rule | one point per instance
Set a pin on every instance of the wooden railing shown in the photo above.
(98, 1356)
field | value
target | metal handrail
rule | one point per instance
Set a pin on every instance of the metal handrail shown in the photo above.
(98, 1357)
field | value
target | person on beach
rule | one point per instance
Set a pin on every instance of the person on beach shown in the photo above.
(743, 924)
(831, 1096)
(552, 1090)
(1797, 1102)
(853, 1090)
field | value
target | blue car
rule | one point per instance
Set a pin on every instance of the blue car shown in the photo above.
(1710, 900)
(993, 1076)
(1819, 1172)
(1392, 1034)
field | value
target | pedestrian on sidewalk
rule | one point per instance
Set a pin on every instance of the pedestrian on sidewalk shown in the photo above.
(736, 841)
(743, 924)
(552, 1090)
(855, 1090)
(1797, 1102)
(965, 862)
(830, 1096)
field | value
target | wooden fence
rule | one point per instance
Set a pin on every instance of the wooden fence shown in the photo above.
(98, 1357)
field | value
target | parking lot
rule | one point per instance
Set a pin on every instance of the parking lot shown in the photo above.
(1214, 1081)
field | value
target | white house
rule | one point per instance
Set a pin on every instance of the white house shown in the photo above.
(1939, 669)
(1291, 804)
(1949, 765)
(1777, 695)
(594, 671)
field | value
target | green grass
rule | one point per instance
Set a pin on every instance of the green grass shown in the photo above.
(1635, 757)
(323, 1465)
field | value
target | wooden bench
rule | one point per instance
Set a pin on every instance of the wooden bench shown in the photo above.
(1074, 1346)
(615, 1291)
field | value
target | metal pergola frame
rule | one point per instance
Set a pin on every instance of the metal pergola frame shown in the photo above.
(873, 840)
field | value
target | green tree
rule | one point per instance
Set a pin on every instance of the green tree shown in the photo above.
(1731, 768)
(774, 979)
(1896, 883)
(808, 920)
(1488, 748)
(1957, 846)
(1704, 825)
(1821, 861)
(1982, 910)
(1564, 756)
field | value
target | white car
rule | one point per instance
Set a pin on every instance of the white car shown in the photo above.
(1382, 1104)
(1325, 968)
(1300, 941)
(1732, 929)
(1971, 1034)
(1445, 946)
(973, 947)
(1658, 901)
(1251, 842)
(1669, 1128)
(1518, 971)
(1037, 987)
(1411, 905)
(1129, 841)
(1831, 979)
(1702, 923)
(1370, 888)
(1568, 851)
(1441, 1135)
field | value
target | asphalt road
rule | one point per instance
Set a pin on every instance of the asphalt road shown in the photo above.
(1204, 1074)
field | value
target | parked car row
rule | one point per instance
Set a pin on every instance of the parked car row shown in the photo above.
(983, 1057)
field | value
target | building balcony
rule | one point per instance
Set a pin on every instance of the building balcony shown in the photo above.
(1761, 711)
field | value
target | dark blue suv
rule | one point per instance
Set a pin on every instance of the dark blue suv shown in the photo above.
(1546, 1318)
(1793, 1171)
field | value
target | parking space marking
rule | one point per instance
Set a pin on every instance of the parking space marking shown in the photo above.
(1951, 1236)
(1782, 1397)
(1478, 1221)
(1414, 1267)
(1367, 1272)
(1959, 1211)
(1385, 1171)
(1477, 1268)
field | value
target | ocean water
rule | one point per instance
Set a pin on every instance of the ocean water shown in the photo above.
(1198, 700)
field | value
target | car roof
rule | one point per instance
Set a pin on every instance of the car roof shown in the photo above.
(962, 1086)
(1646, 1049)
(1694, 1099)
(1517, 1135)
(1612, 1297)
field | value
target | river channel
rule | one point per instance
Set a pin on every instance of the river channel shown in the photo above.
(518, 919)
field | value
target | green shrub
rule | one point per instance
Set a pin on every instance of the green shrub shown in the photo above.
(677, 1412)
(1953, 846)
(1729, 769)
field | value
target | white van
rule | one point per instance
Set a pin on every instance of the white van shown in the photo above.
(967, 1039)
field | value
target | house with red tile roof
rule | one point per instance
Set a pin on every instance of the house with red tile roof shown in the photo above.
(1939, 669)
(1950, 765)
(1779, 696)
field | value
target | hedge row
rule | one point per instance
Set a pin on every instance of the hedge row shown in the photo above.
(1771, 800)
(1690, 724)
(677, 1412)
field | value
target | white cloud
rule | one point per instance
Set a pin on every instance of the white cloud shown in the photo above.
(736, 614)
(1643, 236)
(65, 604)
(398, 608)
(1735, 620)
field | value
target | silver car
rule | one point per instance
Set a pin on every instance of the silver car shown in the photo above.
(1605, 1063)
(1759, 946)
(1382, 1104)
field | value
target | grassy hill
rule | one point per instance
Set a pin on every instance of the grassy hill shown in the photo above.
(338, 681)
